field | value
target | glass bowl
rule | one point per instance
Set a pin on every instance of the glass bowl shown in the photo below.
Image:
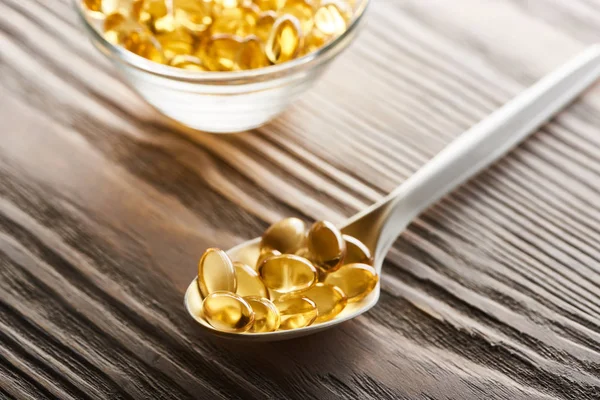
(221, 102)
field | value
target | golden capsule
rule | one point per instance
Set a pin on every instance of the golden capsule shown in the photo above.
(239, 21)
(216, 272)
(355, 280)
(153, 10)
(188, 62)
(266, 315)
(251, 55)
(303, 252)
(266, 5)
(227, 312)
(331, 18)
(177, 42)
(264, 25)
(326, 245)
(285, 40)
(220, 52)
(248, 281)
(356, 251)
(287, 273)
(266, 252)
(330, 300)
(314, 41)
(122, 31)
(296, 312)
(194, 15)
(301, 10)
(286, 236)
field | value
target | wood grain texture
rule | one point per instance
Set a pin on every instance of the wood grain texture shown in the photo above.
(105, 207)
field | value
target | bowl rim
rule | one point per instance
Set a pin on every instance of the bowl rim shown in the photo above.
(265, 73)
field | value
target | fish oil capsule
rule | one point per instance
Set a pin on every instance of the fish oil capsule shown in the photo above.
(301, 10)
(266, 315)
(220, 52)
(264, 24)
(296, 312)
(152, 11)
(177, 42)
(122, 31)
(330, 300)
(251, 55)
(326, 245)
(287, 273)
(227, 312)
(314, 41)
(286, 236)
(285, 41)
(216, 272)
(248, 281)
(238, 21)
(266, 252)
(194, 15)
(356, 251)
(331, 18)
(355, 280)
(188, 62)
(266, 5)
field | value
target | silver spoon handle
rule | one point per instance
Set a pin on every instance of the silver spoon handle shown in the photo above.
(487, 141)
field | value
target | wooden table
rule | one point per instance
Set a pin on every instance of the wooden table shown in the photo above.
(105, 208)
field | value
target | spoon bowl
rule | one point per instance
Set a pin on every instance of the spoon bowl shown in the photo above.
(247, 252)
(379, 225)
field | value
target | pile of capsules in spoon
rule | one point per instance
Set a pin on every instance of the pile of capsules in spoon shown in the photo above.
(300, 278)
(221, 35)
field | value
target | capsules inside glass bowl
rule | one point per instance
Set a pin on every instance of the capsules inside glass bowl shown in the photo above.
(301, 277)
(221, 35)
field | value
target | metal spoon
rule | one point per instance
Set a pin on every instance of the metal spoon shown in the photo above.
(379, 225)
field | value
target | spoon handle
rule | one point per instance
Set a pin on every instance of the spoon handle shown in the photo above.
(486, 142)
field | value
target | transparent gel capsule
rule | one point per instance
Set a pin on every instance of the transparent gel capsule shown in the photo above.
(314, 41)
(219, 53)
(296, 312)
(286, 236)
(177, 42)
(239, 21)
(251, 55)
(355, 280)
(356, 251)
(188, 62)
(302, 10)
(266, 315)
(216, 272)
(285, 41)
(194, 15)
(266, 252)
(227, 312)
(330, 300)
(266, 5)
(264, 24)
(122, 31)
(332, 18)
(248, 281)
(287, 273)
(221, 4)
(153, 10)
(326, 245)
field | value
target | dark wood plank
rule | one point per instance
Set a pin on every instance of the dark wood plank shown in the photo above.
(105, 207)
